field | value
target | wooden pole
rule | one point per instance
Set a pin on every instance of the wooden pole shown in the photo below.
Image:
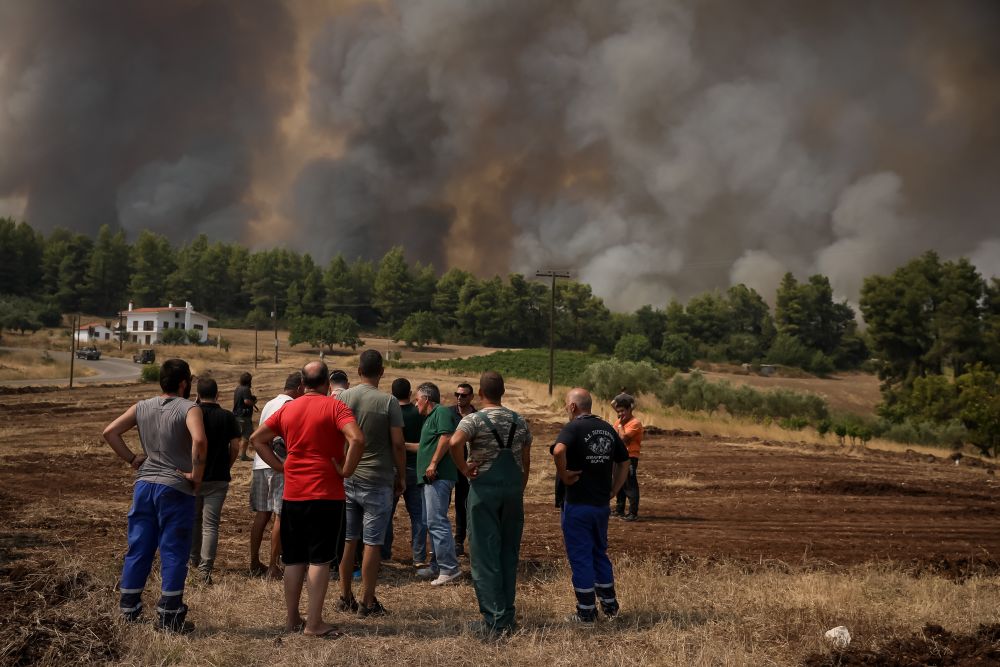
(552, 321)
(255, 347)
(74, 321)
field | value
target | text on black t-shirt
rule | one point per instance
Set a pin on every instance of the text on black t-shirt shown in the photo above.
(592, 447)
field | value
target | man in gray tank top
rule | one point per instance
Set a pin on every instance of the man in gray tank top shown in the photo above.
(172, 435)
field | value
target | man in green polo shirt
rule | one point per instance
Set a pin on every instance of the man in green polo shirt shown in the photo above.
(437, 473)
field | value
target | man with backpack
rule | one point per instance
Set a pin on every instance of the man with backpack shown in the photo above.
(498, 465)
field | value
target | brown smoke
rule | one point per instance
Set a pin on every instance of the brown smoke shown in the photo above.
(656, 148)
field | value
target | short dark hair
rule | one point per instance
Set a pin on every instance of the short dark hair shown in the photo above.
(623, 400)
(172, 373)
(318, 377)
(293, 381)
(491, 384)
(401, 389)
(370, 364)
(246, 379)
(430, 391)
(466, 385)
(339, 377)
(207, 388)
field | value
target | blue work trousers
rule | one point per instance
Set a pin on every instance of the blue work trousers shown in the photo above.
(585, 532)
(161, 517)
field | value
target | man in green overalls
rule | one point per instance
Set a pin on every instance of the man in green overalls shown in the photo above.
(499, 461)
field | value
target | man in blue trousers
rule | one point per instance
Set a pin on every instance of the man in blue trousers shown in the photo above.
(592, 462)
(169, 471)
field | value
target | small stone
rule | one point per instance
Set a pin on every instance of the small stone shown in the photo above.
(839, 636)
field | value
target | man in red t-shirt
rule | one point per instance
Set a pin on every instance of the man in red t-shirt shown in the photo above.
(314, 428)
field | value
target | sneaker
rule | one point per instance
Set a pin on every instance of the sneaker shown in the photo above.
(347, 606)
(244, 457)
(631, 517)
(375, 610)
(427, 572)
(443, 578)
(576, 619)
(618, 514)
(357, 574)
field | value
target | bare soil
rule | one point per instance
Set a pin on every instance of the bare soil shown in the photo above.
(761, 503)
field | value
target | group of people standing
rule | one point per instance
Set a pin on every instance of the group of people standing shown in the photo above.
(331, 462)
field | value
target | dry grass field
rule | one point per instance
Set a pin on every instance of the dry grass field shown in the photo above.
(749, 548)
(27, 363)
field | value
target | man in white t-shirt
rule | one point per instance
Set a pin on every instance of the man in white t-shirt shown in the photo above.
(267, 487)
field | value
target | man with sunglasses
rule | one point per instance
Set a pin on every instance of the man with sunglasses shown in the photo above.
(463, 408)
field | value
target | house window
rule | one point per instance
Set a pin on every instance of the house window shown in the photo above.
(148, 325)
(135, 326)
(107, 336)
(166, 325)
(199, 327)
(176, 315)
(181, 324)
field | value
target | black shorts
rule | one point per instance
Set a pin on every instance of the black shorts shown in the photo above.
(309, 530)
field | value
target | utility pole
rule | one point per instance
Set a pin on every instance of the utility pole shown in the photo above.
(274, 316)
(121, 331)
(255, 346)
(74, 322)
(549, 273)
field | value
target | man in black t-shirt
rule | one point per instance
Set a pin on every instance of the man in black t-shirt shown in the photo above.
(592, 463)
(244, 403)
(223, 434)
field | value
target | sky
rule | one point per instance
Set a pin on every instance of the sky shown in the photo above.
(654, 148)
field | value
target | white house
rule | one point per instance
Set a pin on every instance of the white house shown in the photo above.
(145, 325)
(94, 332)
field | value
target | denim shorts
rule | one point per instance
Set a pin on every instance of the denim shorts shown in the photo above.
(369, 511)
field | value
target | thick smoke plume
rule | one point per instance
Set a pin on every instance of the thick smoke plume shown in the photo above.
(655, 148)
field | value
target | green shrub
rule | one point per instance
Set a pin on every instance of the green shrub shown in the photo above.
(788, 351)
(193, 336)
(174, 337)
(527, 364)
(150, 373)
(632, 347)
(677, 352)
(606, 378)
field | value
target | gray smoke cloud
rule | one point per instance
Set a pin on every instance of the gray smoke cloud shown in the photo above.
(657, 149)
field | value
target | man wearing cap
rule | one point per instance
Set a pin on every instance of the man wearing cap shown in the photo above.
(630, 431)
(591, 461)
(498, 465)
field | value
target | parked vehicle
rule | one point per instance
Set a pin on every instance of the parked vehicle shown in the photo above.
(144, 357)
(89, 353)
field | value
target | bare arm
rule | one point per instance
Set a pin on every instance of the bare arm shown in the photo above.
(439, 453)
(457, 449)
(261, 439)
(113, 433)
(568, 477)
(412, 447)
(399, 456)
(620, 475)
(199, 446)
(355, 448)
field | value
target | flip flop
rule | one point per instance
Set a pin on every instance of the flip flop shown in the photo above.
(332, 633)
